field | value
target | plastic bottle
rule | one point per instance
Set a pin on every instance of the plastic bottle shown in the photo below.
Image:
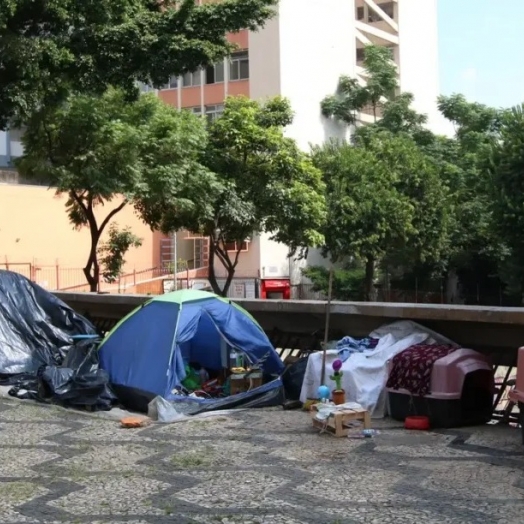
(236, 359)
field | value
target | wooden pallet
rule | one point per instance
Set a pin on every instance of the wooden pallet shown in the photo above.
(336, 424)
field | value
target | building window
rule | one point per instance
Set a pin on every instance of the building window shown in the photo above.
(213, 112)
(172, 84)
(215, 73)
(201, 252)
(233, 246)
(196, 110)
(360, 13)
(239, 66)
(9, 177)
(145, 88)
(16, 134)
(192, 79)
(388, 8)
(373, 16)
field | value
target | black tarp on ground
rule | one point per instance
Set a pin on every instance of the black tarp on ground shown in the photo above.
(293, 377)
(270, 394)
(38, 352)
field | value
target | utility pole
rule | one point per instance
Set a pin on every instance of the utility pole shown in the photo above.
(175, 261)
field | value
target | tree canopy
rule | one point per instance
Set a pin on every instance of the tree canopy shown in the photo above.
(262, 183)
(470, 206)
(97, 150)
(49, 48)
(507, 179)
(383, 198)
(352, 96)
(398, 196)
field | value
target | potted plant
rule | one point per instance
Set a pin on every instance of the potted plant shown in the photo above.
(338, 394)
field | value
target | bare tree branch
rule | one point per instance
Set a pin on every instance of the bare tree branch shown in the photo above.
(111, 215)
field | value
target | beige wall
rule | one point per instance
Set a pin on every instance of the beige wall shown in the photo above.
(248, 262)
(34, 225)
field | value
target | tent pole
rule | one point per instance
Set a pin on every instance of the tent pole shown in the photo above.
(326, 327)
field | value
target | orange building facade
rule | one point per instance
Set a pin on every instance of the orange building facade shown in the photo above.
(36, 237)
(204, 91)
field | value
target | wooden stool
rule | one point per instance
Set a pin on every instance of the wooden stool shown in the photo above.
(336, 423)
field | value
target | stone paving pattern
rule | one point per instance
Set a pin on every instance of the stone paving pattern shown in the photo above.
(257, 466)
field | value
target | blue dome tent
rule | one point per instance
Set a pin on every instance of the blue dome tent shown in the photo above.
(147, 352)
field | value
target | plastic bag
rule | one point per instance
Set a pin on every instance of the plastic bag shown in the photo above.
(192, 380)
(36, 328)
(161, 410)
(79, 381)
(293, 377)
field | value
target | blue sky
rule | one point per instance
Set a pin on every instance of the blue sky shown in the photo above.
(481, 50)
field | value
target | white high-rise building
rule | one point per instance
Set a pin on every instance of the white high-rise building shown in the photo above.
(409, 29)
(302, 53)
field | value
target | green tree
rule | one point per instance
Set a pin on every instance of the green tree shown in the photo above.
(391, 109)
(112, 252)
(52, 47)
(352, 97)
(383, 198)
(264, 185)
(507, 177)
(97, 150)
(348, 281)
(476, 246)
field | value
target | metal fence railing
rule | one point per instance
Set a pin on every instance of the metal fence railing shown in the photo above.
(159, 280)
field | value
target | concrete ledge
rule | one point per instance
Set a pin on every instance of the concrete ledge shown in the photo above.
(499, 315)
(391, 310)
(493, 330)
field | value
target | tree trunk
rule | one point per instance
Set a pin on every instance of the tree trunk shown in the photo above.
(92, 269)
(227, 263)
(211, 268)
(229, 279)
(85, 204)
(370, 276)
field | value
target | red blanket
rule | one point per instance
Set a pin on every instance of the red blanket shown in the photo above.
(412, 367)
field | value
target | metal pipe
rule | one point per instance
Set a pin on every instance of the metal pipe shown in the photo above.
(175, 262)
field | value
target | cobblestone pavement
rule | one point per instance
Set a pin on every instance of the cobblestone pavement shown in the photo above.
(258, 466)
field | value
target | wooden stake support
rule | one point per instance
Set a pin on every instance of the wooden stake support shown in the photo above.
(326, 328)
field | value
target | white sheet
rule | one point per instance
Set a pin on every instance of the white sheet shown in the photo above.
(365, 374)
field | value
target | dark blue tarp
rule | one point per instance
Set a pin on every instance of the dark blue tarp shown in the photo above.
(47, 351)
(36, 328)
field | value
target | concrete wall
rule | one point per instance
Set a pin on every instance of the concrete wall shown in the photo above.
(317, 46)
(264, 61)
(248, 262)
(418, 57)
(274, 261)
(5, 149)
(34, 225)
(493, 330)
